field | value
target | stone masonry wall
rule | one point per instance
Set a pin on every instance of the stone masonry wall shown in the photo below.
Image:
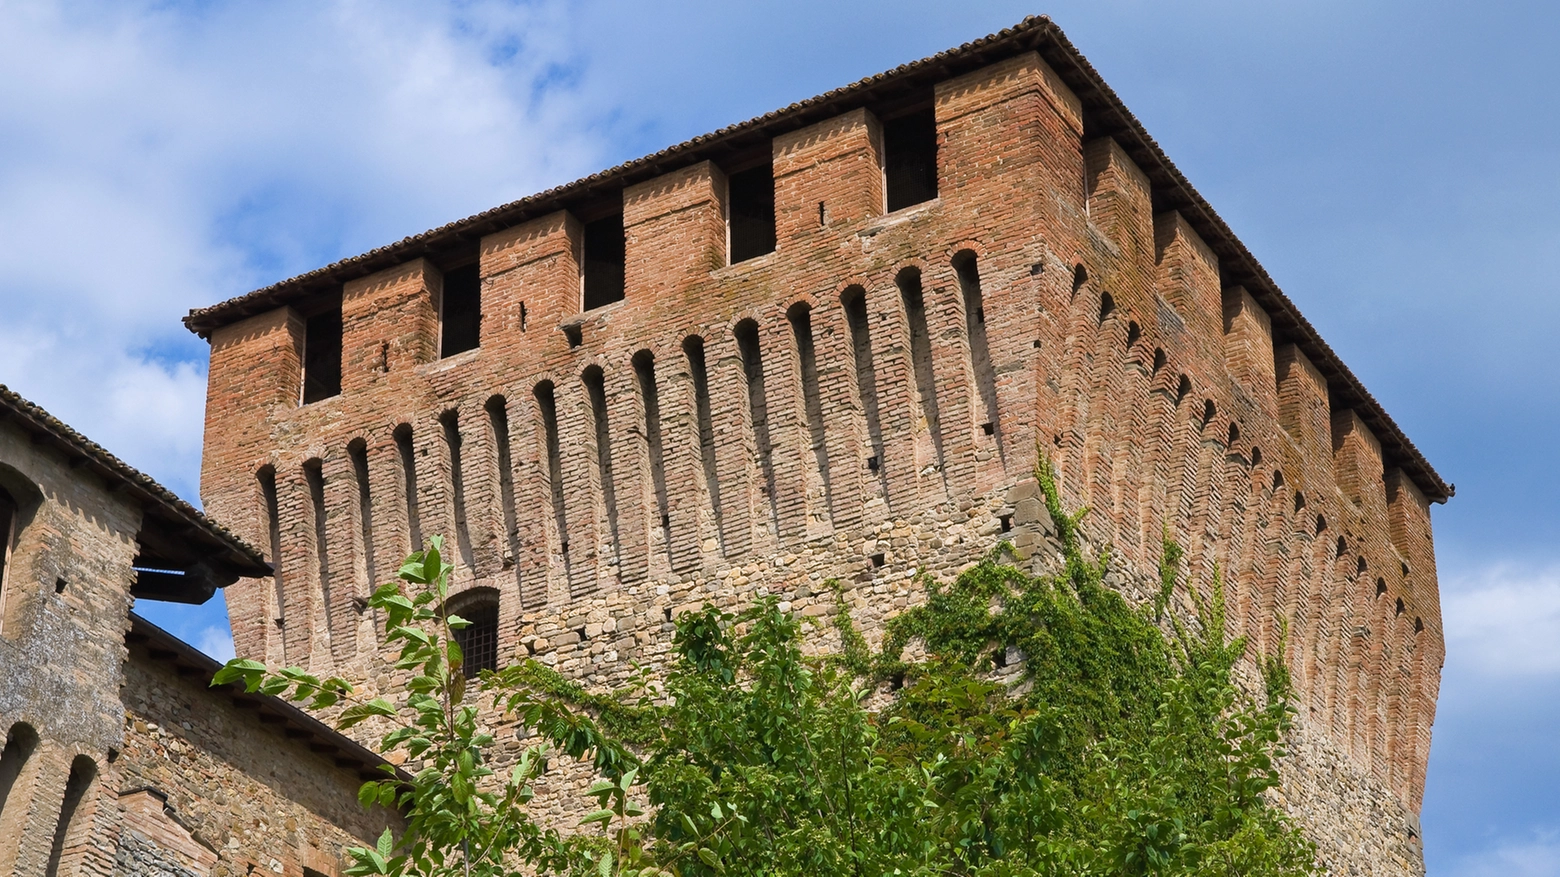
(231, 796)
(864, 401)
(100, 747)
(65, 601)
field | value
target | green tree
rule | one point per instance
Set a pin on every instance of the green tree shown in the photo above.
(1051, 728)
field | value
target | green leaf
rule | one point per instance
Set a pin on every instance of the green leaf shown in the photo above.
(360, 712)
(598, 816)
(708, 857)
(239, 670)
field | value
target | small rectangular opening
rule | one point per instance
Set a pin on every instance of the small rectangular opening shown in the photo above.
(322, 355)
(751, 205)
(603, 261)
(460, 311)
(910, 158)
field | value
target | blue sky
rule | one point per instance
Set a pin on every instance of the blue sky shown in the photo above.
(1392, 164)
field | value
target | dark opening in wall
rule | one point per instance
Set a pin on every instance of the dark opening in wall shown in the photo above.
(1398, 610)
(1321, 524)
(1134, 332)
(1299, 500)
(1256, 455)
(403, 446)
(603, 262)
(322, 355)
(1360, 566)
(1107, 306)
(910, 158)
(478, 641)
(751, 206)
(1381, 587)
(460, 311)
(1278, 479)
(1234, 435)
(1159, 359)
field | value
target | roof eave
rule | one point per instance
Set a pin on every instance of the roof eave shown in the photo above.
(161, 508)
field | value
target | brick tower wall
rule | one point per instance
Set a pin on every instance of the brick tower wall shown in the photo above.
(865, 400)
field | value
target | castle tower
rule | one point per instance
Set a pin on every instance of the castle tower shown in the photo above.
(827, 343)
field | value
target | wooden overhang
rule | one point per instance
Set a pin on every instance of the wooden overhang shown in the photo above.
(1104, 115)
(183, 556)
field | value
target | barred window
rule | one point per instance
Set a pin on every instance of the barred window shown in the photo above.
(479, 641)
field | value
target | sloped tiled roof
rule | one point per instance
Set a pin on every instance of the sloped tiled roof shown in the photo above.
(160, 645)
(163, 509)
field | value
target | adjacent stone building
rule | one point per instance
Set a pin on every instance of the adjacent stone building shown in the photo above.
(118, 757)
(829, 343)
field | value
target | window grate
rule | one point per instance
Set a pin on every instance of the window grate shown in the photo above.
(479, 642)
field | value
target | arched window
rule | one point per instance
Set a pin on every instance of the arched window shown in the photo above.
(478, 641)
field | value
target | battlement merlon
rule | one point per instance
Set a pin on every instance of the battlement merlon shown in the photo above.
(1103, 115)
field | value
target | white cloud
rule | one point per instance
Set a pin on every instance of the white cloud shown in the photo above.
(216, 642)
(1504, 621)
(1537, 857)
(156, 157)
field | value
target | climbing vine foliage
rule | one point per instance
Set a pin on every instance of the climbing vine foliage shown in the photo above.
(1009, 725)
